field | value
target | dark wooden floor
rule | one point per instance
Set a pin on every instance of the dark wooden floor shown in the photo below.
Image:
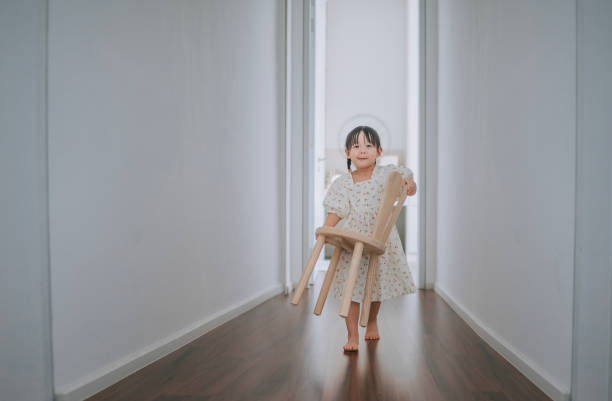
(279, 351)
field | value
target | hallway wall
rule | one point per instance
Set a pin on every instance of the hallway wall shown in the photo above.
(165, 131)
(506, 149)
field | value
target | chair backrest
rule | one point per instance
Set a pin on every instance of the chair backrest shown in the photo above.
(390, 206)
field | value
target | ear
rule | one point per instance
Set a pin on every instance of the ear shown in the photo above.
(347, 153)
(379, 151)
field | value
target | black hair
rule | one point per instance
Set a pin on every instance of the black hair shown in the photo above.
(352, 138)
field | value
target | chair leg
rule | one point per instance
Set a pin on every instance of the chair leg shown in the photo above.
(367, 296)
(312, 260)
(329, 277)
(351, 279)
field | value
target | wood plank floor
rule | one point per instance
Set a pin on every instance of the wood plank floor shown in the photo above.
(279, 351)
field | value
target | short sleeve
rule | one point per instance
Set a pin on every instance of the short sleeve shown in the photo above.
(404, 171)
(336, 199)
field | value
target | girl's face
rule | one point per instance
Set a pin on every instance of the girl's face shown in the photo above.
(363, 154)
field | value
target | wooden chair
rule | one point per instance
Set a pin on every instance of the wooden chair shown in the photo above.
(358, 244)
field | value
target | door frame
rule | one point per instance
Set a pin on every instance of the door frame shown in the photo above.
(426, 179)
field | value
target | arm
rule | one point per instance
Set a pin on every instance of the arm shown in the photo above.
(408, 180)
(408, 176)
(331, 220)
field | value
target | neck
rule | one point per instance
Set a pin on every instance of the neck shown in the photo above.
(364, 170)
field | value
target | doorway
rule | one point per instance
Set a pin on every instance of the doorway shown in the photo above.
(364, 77)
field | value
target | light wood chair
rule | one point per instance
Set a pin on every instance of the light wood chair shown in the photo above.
(358, 244)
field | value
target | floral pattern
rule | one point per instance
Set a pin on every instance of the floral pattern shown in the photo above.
(357, 205)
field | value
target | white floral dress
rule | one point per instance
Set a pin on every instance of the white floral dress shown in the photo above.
(357, 205)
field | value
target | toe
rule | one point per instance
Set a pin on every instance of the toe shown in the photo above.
(350, 347)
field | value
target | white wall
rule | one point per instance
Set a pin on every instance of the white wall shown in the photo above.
(366, 72)
(164, 126)
(592, 331)
(506, 148)
(25, 337)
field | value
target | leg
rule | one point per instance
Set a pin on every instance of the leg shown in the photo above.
(351, 327)
(329, 277)
(372, 330)
(351, 279)
(312, 260)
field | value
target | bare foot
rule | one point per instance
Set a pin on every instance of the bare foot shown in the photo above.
(353, 343)
(351, 328)
(372, 331)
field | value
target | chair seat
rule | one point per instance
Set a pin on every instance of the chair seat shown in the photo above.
(347, 239)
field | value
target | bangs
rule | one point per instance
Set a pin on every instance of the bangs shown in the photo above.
(371, 136)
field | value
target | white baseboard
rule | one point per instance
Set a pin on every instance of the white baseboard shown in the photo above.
(118, 370)
(518, 360)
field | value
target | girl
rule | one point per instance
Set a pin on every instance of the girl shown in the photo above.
(355, 196)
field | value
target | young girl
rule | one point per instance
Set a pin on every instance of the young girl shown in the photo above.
(355, 196)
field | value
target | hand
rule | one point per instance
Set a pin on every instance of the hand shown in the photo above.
(411, 186)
